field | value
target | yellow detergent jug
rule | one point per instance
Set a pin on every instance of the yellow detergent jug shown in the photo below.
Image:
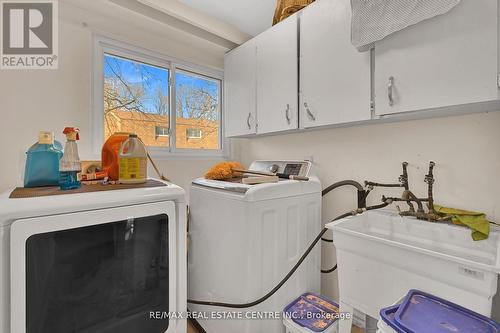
(133, 161)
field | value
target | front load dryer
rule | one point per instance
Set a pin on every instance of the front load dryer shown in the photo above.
(100, 262)
(244, 239)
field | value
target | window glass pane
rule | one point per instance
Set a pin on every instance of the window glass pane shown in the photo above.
(198, 111)
(136, 100)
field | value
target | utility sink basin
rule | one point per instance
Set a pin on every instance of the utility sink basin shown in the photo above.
(381, 255)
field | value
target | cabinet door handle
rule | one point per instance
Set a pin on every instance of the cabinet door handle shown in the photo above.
(309, 113)
(287, 114)
(248, 121)
(390, 89)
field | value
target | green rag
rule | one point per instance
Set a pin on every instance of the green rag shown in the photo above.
(477, 222)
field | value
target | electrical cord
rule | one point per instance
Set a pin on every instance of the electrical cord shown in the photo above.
(291, 272)
(279, 285)
(331, 270)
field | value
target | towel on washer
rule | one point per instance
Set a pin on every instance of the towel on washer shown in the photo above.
(373, 20)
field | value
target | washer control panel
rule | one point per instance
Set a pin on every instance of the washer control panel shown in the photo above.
(295, 168)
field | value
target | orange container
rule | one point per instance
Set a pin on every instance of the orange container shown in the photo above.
(110, 154)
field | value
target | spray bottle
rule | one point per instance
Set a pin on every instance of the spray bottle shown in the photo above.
(69, 165)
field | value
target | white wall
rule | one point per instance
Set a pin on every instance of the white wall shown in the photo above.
(31, 101)
(465, 148)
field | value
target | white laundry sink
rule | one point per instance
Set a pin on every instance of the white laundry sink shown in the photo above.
(381, 256)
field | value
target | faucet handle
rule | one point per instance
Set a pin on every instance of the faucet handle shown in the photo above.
(429, 178)
(403, 179)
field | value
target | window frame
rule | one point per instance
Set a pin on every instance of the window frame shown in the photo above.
(103, 45)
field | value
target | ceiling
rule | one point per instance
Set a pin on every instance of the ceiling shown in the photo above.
(249, 16)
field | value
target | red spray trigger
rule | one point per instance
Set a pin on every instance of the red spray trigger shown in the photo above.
(72, 133)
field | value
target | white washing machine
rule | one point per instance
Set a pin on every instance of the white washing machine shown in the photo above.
(245, 238)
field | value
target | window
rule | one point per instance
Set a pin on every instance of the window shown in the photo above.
(161, 131)
(193, 133)
(198, 111)
(175, 108)
(136, 99)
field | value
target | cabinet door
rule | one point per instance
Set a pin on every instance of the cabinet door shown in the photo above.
(277, 77)
(447, 60)
(334, 76)
(240, 84)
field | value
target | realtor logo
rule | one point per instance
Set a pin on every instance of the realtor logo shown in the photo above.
(29, 34)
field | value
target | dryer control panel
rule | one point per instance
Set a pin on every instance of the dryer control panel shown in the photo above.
(296, 168)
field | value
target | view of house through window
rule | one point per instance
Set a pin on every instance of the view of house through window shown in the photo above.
(198, 111)
(137, 100)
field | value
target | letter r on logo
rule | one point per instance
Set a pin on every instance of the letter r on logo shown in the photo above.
(19, 29)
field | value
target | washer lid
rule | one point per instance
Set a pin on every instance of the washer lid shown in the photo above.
(282, 189)
(222, 185)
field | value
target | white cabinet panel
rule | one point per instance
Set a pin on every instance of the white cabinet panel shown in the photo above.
(447, 60)
(334, 76)
(277, 77)
(240, 90)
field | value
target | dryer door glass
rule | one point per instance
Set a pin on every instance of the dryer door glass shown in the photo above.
(104, 278)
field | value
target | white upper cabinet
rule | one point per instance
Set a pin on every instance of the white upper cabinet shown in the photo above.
(334, 76)
(277, 77)
(240, 90)
(448, 60)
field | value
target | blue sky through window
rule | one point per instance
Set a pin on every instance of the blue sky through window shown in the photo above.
(154, 81)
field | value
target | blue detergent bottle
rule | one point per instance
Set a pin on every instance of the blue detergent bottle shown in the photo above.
(69, 165)
(42, 162)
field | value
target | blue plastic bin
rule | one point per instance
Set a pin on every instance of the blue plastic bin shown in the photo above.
(421, 312)
(311, 313)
